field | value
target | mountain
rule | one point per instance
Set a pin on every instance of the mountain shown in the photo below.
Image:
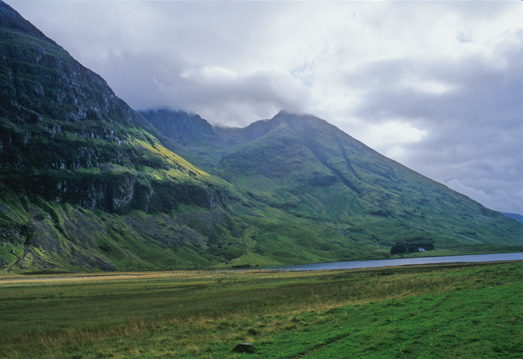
(517, 217)
(77, 164)
(311, 169)
(87, 183)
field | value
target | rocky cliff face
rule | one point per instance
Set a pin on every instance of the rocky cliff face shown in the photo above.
(66, 139)
(65, 136)
(50, 100)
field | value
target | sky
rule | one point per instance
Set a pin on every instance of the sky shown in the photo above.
(436, 86)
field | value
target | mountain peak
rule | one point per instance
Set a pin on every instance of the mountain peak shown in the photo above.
(303, 118)
(12, 20)
(181, 126)
(292, 115)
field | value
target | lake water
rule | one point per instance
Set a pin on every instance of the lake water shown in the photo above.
(406, 261)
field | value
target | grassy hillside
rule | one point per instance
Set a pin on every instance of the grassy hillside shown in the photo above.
(312, 170)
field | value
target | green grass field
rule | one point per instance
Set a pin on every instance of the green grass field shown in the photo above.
(444, 311)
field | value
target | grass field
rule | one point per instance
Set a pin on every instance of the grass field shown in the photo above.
(465, 311)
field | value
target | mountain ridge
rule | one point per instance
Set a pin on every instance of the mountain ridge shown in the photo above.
(11, 19)
(276, 159)
(518, 217)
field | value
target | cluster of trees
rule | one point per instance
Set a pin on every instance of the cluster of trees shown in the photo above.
(413, 245)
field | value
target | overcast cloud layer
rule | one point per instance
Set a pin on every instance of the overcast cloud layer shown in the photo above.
(437, 86)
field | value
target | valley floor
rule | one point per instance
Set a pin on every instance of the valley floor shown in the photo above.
(438, 311)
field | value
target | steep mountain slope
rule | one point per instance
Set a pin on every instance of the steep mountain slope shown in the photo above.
(189, 135)
(313, 170)
(72, 154)
(57, 115)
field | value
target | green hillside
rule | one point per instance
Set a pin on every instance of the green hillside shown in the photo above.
(78, 172)
(312, 170)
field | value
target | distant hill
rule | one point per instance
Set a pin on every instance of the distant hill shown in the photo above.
(517, 217)
(87, 183)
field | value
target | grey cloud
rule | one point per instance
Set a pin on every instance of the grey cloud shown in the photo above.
(143, 48)
(239, 99)
(484, 89)
(474, 131)
(162, 78)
